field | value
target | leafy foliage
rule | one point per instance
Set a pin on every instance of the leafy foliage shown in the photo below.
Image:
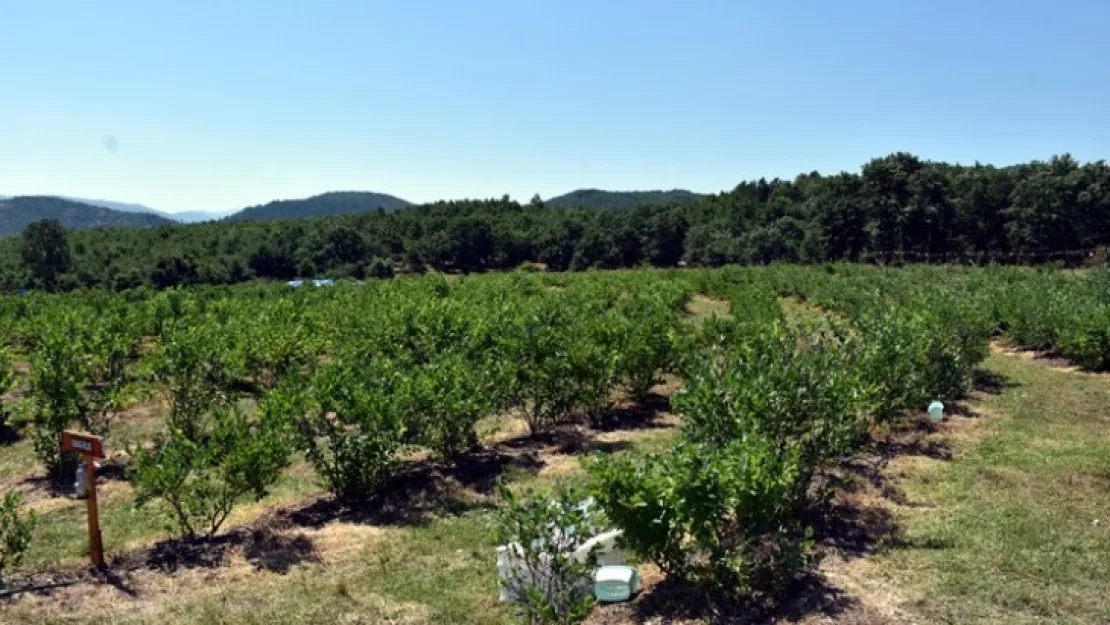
(445, 398)
(541, 532)
(15, 532)
(347, 421)
(722, 518)
(780, 386)
(898, 208)
(45, 251)
(552, 371)
(355, 375)
(194, 372)
(7, 380)
(59, 370)
(199, 477)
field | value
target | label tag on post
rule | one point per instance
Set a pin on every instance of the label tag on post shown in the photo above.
(84, 444)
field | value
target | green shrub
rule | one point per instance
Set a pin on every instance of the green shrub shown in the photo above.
(348, 420)
(896, 359)
(59, 370)
(596, 355)
(648, 332)
(553, 364)
(781, 387)
(7, 381)
(722, 518)
(721, 510)
(1087, 341)
(445, 398)
(15, 533)
(958, 340)
(193, 367)
(200, 480)
(276, 343)
(552, 587)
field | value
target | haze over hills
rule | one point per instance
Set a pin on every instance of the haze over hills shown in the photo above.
(126, 207)
(188, 217)
(192, 217)
(183, 216)
(17, 212)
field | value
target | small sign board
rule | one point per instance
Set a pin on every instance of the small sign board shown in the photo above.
(84, 444)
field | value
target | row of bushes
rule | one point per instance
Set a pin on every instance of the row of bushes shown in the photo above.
(353, 375)
(419, 369)
(768, 404)
(723, 510)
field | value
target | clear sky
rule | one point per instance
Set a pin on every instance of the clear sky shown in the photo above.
(215, 105)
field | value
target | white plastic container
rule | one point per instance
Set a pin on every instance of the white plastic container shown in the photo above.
(936, 411)
(80, 481)
(512, 571)
(609, 553)
(616, 583)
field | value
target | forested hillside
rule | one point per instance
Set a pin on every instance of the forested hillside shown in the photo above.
(17, 212)
(897, 207)
(335, 203)
(596, 198)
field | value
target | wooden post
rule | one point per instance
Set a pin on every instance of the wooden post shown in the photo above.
(91, 448)
(96, 546)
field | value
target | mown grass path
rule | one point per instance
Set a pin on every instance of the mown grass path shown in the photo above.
(1016, 527)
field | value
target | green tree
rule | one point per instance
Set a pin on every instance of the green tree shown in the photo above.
(45, 251)
(200, 479)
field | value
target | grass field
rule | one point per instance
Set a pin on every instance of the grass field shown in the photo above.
(1014, 529)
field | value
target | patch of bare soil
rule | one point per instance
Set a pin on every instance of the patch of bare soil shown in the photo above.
(702, 305)
(558, 452)
(1045, 359)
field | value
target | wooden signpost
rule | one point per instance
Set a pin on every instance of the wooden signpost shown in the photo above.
(91, 449)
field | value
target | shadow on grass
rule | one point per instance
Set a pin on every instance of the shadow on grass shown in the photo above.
(581, 436)
(852, 530)
(8, 433)
(911, 437)
(64, 485)
(570, 440)
(674, 601)
(423, 491)
(112, 469)
(51, 486)
(263, 545)
(992, 382)
(278, 553)
(639, 415)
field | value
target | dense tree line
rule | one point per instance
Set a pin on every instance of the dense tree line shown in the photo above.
(897, 207)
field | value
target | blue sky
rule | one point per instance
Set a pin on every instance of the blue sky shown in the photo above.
(207, 105)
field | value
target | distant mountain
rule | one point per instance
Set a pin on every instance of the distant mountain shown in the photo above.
(125, 207)
(183, 216)
(597, 198)
(192, 217)
(17, 212)
(334, 203)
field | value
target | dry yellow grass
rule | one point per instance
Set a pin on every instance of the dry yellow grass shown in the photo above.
(701, 305)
